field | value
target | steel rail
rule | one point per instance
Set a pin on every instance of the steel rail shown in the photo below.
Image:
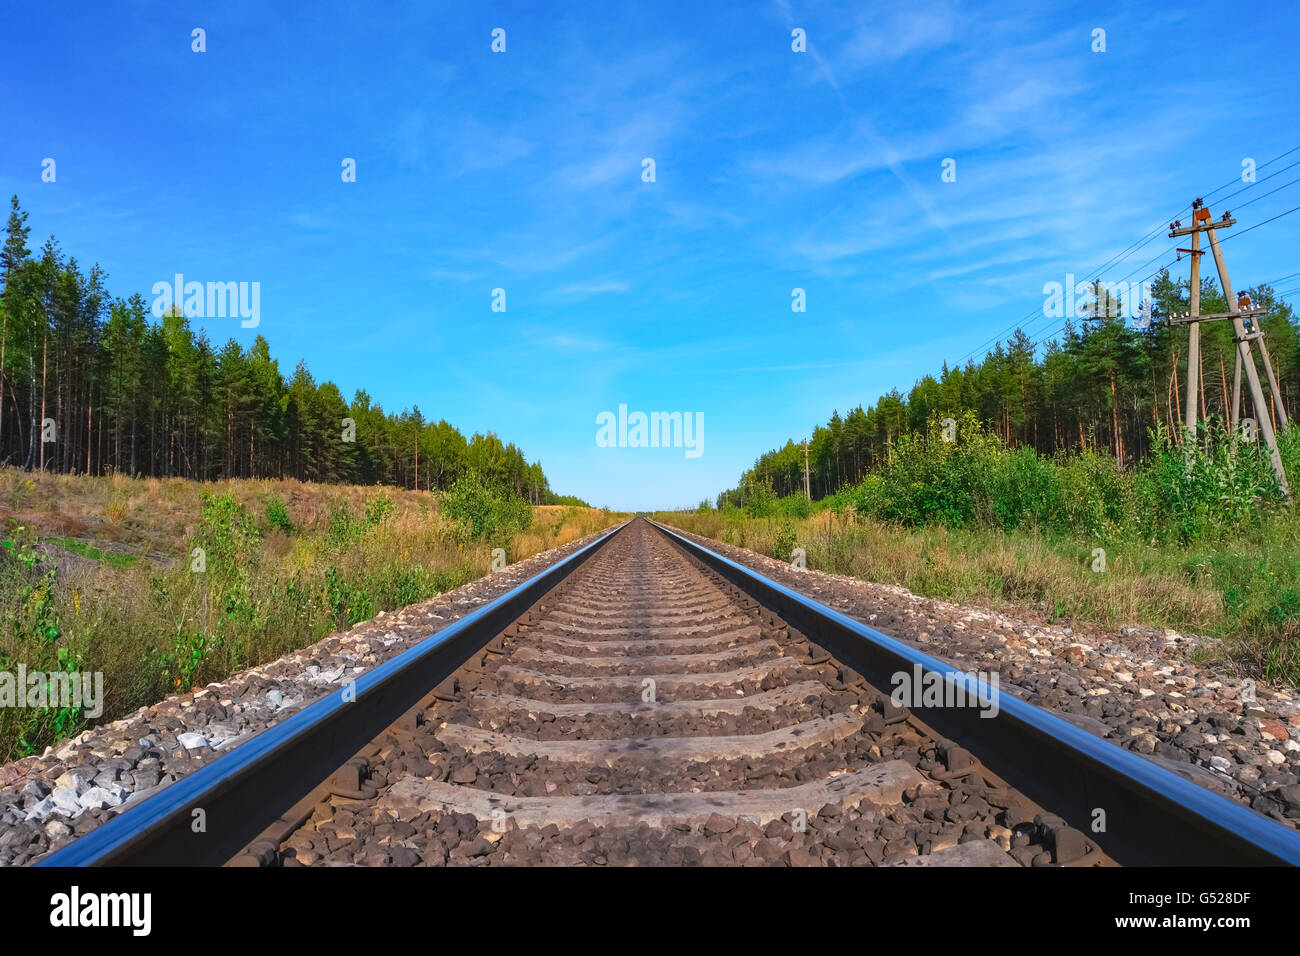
(1153, 817)
(246, 790)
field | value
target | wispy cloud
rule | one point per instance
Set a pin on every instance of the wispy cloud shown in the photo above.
(439, 274)
(582, 290)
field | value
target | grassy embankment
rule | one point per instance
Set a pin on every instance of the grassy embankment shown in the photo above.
(97, 574)
(1211, 549)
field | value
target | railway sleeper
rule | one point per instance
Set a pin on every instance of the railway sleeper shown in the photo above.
(473, 771)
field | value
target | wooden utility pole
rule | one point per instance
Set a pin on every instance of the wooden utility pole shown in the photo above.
(1236, 392)
(1194, 337)
(807, 478)
(1173, 382)
(1282, 421)
(1203, 223)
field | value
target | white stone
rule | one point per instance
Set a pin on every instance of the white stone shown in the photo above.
(191, 740)
(40, 811)
(73, 782)
(68, 800)
(97, 798)
(1275, 757)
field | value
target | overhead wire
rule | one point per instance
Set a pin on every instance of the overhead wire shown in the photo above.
(1147, 239)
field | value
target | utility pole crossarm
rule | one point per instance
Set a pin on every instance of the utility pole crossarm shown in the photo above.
(1216, 316)
(1176, 231)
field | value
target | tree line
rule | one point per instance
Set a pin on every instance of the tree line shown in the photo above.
(93, 384)
(1103, 385)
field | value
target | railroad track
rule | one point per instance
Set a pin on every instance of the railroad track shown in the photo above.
(649, 702)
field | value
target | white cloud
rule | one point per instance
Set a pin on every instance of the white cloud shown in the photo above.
(595, 287)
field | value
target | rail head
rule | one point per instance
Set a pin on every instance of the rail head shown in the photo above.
(1153, 816)
(244, 791)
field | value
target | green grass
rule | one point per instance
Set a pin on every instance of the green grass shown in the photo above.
(1246, 595)
(1199, 541)
(114, 559)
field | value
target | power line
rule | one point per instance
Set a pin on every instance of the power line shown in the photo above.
(1123, 253)
(1283, 279)
(1138, 244)
(1269, 193)
(1234, 235)
(1174, 247)
(1258, 224)
(1257, 182)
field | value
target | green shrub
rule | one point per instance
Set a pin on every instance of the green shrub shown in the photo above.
(226, 534)
(1093, 495)
(784, 541)
(795, 506)
(1214, 489)
(1211, 488)
(277, 516)
(484, 512)
(377, 509)
(759, 500)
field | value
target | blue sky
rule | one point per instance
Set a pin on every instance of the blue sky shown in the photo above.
(523, 171)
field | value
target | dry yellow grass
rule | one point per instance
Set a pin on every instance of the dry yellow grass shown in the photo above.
(159, 515)
(156, 627)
